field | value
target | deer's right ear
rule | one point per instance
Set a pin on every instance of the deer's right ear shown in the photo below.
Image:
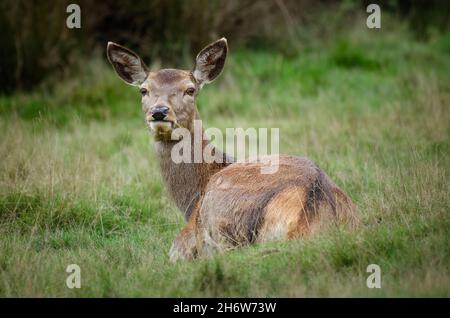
(127, 64)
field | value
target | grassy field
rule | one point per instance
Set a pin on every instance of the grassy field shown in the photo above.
(80, 181)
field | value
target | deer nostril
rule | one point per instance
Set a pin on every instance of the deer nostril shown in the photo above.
(158, 116)
(160, 112)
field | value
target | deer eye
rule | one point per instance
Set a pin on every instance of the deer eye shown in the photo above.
(143, 91)
(190, 91)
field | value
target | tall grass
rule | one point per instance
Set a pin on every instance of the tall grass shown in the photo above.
(80, 182)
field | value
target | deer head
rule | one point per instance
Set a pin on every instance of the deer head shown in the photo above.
(168, 95)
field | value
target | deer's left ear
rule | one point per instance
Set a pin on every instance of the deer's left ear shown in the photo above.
(210, 62)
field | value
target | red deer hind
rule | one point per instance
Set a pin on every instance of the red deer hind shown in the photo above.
(226, 204)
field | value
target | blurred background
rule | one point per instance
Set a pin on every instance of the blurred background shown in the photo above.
(36, 42)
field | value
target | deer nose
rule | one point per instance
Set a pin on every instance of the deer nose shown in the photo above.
(159, 112)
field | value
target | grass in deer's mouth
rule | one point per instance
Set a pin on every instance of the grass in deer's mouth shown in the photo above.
(161, 124)
(80, 183)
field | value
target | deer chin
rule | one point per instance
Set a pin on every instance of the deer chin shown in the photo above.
(162, 129)
(161, 126)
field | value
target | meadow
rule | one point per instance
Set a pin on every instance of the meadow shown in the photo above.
(80, 183)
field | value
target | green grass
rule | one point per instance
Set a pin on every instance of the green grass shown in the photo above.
(80, 181)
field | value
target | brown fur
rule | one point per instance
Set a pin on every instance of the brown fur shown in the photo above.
(228, 204)
(242, 206)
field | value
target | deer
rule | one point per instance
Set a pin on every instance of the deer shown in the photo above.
(226, 204)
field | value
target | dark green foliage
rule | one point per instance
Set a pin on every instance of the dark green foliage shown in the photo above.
(37, 44)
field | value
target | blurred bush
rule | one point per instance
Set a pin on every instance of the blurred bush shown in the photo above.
(36, 42)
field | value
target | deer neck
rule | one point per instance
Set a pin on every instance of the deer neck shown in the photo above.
(186, 181)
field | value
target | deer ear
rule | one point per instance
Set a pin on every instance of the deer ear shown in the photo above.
(127, 64)
(210, 61)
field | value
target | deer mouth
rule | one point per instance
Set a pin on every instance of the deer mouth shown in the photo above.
(161, 126)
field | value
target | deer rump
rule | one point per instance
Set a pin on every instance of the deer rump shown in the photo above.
(241, 206)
